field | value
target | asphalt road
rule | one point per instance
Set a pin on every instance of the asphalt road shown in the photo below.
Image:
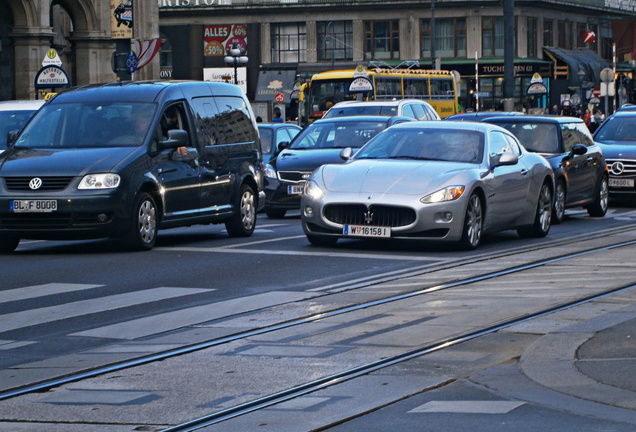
(50, 290)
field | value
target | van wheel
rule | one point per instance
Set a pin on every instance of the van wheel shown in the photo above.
(8, 243)
(142, 230)
(243, 221)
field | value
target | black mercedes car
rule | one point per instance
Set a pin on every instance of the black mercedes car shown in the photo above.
(617, 137)
(318, 143)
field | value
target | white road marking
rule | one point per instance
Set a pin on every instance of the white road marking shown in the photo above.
(16, 320)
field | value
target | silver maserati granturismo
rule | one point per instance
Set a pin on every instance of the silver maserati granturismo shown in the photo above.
(435, 181)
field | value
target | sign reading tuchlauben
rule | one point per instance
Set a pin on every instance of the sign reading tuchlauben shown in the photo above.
(622, 5)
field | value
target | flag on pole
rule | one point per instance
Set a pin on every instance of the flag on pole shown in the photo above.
(146, 50)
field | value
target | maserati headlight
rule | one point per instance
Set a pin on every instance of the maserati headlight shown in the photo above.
(450, 193)
(270, 171)
(99, 181)
(313, 190)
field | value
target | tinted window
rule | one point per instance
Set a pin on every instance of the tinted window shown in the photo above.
(224, 120)
(617, 129)
(337, 135)
(89, 124)
(267, 136)
(12, 120)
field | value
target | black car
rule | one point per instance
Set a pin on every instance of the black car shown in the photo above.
(319, 143)
(580, 170)
(272, 134)
(617, 137)
(124, 160)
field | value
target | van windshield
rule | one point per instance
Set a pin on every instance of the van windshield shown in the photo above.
(88, 125)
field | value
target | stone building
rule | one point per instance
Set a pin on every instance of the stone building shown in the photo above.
(286, 41)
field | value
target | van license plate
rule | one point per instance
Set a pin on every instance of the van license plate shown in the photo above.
(366, 231)
(33, 206)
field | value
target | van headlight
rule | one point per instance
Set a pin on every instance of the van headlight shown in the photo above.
(99, 181)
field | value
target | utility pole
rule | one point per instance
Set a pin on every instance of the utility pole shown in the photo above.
(433, 55)
(510, 40)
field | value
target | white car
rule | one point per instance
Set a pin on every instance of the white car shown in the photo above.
(413, 108)
(14, 115)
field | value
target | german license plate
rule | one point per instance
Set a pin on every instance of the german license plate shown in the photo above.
(295, 189)
(33, 206)
(619, 182)
(366, 231)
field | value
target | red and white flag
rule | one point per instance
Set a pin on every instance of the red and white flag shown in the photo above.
(146, 50)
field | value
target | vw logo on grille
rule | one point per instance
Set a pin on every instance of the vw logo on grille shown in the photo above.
(35, 183)
(305, 176)
(617, 168)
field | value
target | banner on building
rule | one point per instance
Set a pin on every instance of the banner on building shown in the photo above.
(219, 39)
(121, 19)
(146, 50)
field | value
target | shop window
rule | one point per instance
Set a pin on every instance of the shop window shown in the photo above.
(335, 40)
(450, 38)
(289, 42)
(382, 40)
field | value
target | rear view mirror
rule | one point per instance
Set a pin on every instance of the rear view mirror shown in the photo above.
(176, 138)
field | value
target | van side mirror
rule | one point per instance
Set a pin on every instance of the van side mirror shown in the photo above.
(176, 138)
(11, 137)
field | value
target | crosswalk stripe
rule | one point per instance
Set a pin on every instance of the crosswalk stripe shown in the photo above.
(185, 317)
(16, 320)
(41, 291)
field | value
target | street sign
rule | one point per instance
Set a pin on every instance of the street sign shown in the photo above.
(279, 98)
(51, 58)
(131, 62)
(607, 75)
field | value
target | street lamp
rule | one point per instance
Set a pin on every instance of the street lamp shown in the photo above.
(235, 59)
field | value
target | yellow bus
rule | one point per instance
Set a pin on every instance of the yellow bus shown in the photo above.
(437, 87)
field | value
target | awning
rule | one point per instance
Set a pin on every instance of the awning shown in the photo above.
(275, 82)
(568, 63)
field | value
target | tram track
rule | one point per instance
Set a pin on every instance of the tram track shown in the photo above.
(159, 356)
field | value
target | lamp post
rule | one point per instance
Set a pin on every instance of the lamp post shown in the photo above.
(235, 59)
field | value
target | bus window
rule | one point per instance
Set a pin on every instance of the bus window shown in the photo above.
(388, 87)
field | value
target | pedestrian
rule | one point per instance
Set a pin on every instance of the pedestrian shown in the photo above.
(587, 117)
(555, 110)
(277, 116)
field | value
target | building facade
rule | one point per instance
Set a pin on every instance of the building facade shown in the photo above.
(286, 41)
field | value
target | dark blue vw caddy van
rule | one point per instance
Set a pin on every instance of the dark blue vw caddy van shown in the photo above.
(124, 160)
